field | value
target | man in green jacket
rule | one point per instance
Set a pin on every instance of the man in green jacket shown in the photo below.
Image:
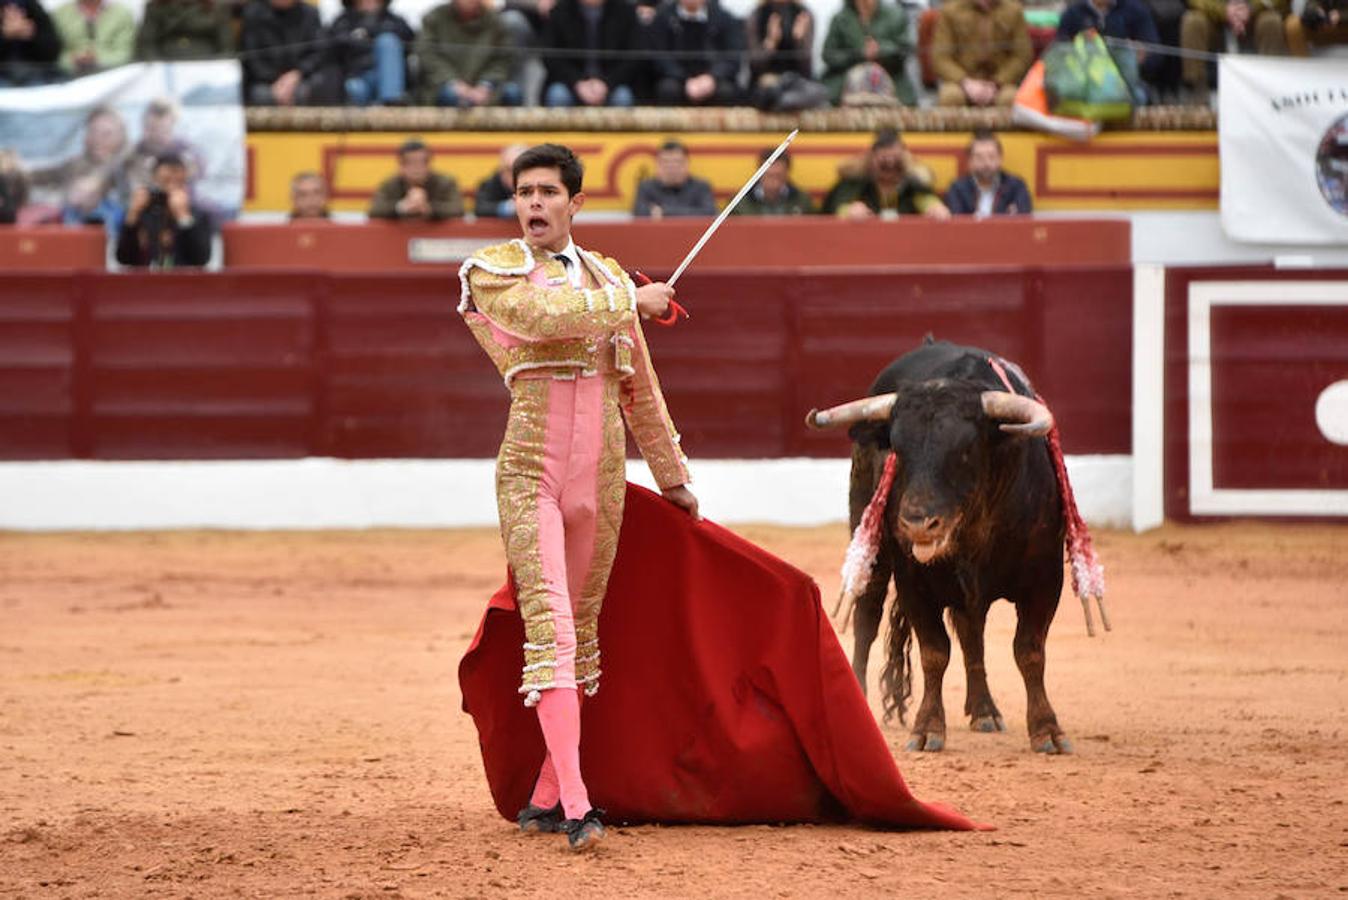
(980, 50)
(94, 35)
(868, 33)
(416, 192)
(465, 53)
(891, 185)
(184, 29)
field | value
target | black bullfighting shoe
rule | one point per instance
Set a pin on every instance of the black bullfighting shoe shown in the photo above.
(537, 820)
(584, 833)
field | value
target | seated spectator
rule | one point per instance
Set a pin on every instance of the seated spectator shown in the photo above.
(526, 22)
(465, 56)
(1257, 26)
(370, 45)
(1128, 20)
(586, 32)
(13, 186)
(781, 39)
(1321, 23)
(90, 185)
(285, 56)
(888, 184)
(774, 194)
(698, 51)
(1162, 70)
(980, 50)
(868, 44)
(163, 229)
(416, 192)
(29, 44)
(95, 35)
(185, 30)
(987, 189)
(495, 196)
(157, 137)
(673, 191)
(308, 198)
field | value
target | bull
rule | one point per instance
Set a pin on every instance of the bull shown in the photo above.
(975, 512)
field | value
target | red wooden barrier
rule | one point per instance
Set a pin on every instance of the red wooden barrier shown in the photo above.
(742, 243)
(287, 364)
(53, 247)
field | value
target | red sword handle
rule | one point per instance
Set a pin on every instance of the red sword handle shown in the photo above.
(675, 311)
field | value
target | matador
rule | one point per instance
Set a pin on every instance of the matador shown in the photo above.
(563, 326)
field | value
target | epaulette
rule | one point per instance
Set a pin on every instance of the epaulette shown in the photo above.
(507, 258)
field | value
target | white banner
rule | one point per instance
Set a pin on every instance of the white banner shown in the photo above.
(84, 145)
(1282, 129)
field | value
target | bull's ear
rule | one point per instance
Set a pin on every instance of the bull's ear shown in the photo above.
(1018, 415)
(870, 434)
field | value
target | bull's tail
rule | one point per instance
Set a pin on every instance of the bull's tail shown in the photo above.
(896, 681)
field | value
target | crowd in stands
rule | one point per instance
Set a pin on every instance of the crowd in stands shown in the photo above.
(469, 53)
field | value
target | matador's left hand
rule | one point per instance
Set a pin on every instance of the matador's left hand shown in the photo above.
(684, 499)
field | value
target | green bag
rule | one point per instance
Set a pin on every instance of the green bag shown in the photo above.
(1083, 79)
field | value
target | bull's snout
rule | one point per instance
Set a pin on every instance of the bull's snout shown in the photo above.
(922, 527)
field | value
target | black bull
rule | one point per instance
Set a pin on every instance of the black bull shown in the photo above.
(974, 514)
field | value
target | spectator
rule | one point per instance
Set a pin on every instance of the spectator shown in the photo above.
(1162, 70)
(285, 56)
(781, 39)
(29, 44)
(889, 183)
(185, 30)
(370, 44)
(13, 187)
(774, 194)
(673, 191)
(416, 192)
(1322, 23)
(1128, 20)
(495, 197)
(867, 43)
(584, 31)
(163, 229)
(980, 50)
(157, 138)
(92, 183)
(526, 23)
(987, 189)
(465, 55)
(308, 198)
(1256, 26)
(699, 50)
(94, 35)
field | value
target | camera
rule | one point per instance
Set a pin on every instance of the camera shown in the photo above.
(158, 197)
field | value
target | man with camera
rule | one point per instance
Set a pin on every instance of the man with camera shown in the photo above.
(163, 229)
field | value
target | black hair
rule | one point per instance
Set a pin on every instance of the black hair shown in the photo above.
(785, 157)
(675, 145)
(984, 134)
(170, 159)
(552, 156)
(412, 145)
(886, 137)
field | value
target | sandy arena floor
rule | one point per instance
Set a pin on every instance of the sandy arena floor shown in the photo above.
(274, 715)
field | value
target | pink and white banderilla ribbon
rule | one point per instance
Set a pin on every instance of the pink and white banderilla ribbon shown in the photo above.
(865, 546)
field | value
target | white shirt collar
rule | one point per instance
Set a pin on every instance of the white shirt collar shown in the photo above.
(573, 271)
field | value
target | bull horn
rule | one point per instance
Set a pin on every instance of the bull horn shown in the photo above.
(1018, 415)
(872, 409)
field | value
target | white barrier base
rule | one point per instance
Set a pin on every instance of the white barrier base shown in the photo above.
(428, 493)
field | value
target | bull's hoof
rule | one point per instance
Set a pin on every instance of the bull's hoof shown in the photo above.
(987, 724)
(930, 742)
(1051, 743)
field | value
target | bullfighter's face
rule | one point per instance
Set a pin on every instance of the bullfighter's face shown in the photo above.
(940, 456)
(545, 208)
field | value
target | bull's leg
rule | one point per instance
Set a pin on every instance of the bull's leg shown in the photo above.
(934, 649)
(866, 617)
(978, 704)
(1033, 619)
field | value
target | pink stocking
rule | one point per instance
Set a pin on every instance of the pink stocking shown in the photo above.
(559, 716)
(546, 790)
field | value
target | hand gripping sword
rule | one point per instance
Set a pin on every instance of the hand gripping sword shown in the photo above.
(675, 310)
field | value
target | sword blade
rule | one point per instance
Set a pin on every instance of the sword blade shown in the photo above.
(729, 207)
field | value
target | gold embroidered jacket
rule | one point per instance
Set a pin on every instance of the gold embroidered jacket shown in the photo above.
(527, 317)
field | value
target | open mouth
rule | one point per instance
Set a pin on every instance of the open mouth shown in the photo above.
(537, 225)
(926, 551)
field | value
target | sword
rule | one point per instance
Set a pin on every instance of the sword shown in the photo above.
(675, 310)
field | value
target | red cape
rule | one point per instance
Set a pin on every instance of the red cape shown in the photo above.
(725, 696)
